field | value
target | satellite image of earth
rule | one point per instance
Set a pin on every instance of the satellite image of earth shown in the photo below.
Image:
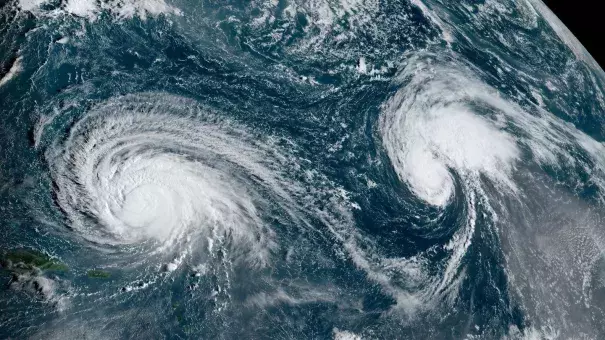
(299, 169)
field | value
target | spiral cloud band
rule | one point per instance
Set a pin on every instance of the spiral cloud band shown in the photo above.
(161, 169)
(455, 141)
(446, 120)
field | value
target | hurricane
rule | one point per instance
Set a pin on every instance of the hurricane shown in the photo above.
(158, 168)
(458, 143)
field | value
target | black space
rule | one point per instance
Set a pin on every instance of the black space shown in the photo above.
(586, 20)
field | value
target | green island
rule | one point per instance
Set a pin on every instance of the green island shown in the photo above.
(27, 260)
(98, 274)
